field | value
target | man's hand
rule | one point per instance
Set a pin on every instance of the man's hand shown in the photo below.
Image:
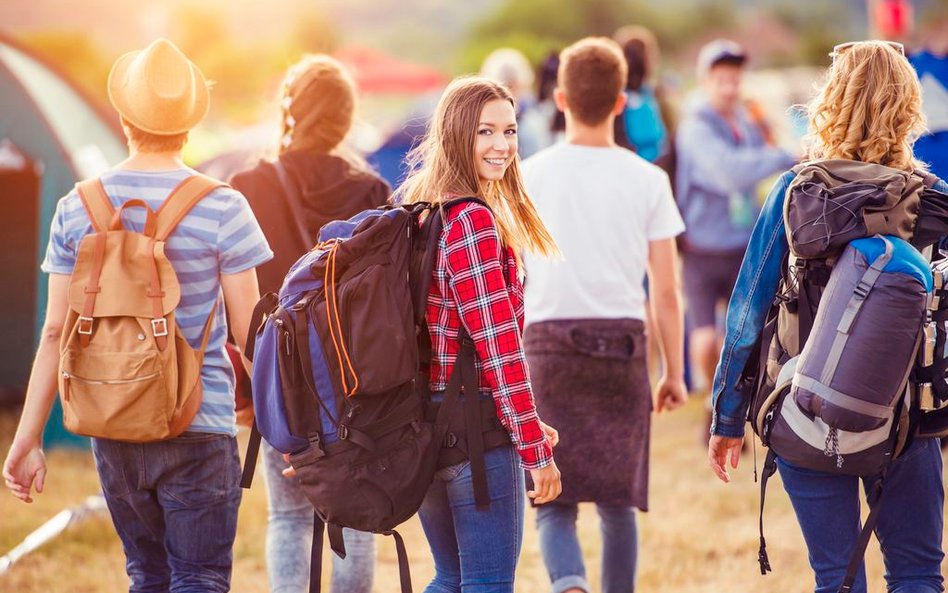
(672, 394)
(24, 469)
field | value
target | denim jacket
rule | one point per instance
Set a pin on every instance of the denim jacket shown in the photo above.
(754, 292)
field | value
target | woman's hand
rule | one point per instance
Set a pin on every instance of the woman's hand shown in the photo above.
(551, 434)
(546, 484)
(719, 449)
(290, 471)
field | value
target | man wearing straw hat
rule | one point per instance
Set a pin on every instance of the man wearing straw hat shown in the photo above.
(173, 502)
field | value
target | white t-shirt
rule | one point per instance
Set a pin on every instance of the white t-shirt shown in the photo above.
(602, 206)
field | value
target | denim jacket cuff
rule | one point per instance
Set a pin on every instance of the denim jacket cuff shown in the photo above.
(727, 427)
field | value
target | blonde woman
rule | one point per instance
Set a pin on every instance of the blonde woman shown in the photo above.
(477, 294)
(868, 111)
(312, 182)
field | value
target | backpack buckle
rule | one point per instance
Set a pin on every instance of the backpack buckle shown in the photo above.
(862, 290)
(159, 327)
(85, 326)
(450, 440)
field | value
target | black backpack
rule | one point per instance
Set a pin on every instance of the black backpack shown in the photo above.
(340, 379)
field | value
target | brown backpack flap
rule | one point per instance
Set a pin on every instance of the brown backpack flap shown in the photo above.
(100, 283)
(818, 229)
(104, 265)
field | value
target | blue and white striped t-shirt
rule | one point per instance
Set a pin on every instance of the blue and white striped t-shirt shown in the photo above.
(219, 236)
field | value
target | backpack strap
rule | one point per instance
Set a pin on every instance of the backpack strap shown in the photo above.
(295, 202)
(874, 499)
(929, 179)
(181, 200)
(92, 289)
(770, 466)
(431, 230)
(96, 202)
(316, 555)
(404, 570)
(250, 458)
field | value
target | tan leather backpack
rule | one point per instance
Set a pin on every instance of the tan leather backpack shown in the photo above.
(126, 371)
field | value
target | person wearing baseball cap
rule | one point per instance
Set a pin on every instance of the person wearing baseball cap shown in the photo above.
(720, 51)
(173, 502)
(722, 154)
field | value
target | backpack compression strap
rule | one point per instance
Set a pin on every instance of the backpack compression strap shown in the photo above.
(770, 466)
(859, 552)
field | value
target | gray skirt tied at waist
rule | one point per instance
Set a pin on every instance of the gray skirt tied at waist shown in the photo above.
(590, 380)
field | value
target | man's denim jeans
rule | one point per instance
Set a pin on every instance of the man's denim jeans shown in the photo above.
(909, 528)
(473, 550)
(564, 557)
(174, 505)
(290, 538)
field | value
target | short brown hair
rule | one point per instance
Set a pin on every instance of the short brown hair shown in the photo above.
(148, 142)
(592, 73)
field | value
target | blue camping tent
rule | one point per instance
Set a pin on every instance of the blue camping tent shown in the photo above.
(51, 136)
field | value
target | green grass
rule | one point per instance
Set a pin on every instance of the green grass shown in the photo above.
(699, 537)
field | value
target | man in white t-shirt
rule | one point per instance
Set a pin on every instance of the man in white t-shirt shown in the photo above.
(614, 219)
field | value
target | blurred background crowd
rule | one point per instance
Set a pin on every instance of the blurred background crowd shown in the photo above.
(54, 59)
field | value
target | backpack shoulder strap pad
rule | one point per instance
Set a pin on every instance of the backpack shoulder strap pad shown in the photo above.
(181, 200)
(430, 232)
(929, 179)
(96, 202)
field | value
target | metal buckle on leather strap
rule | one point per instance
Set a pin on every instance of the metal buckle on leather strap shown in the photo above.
(159, 327)
(85, 326)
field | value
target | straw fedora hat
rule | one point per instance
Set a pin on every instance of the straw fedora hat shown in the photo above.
(158, 89)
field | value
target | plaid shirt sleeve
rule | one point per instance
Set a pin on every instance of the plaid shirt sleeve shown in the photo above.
(476, 278)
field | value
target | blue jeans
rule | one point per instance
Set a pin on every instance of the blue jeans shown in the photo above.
(909, 527)
(290, 538)
(563, 557)
(174, 506)
(475, 551)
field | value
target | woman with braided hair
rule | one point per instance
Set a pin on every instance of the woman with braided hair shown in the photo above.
(313, 181)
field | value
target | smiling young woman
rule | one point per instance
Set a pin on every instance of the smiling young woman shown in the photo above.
(476, 291)
(496, 142)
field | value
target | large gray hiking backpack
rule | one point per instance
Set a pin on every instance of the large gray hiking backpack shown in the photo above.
(834, 379)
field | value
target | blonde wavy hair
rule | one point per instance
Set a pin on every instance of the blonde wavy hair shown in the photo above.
(869, 109)
(442, 166)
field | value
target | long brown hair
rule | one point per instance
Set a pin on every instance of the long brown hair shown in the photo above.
(870, 108)
(442, 166)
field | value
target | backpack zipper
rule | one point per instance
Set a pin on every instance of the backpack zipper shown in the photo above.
(67, 376)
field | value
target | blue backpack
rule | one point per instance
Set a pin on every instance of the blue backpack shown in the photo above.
(643, 125)
(338, 379)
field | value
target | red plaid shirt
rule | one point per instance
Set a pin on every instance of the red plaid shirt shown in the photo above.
(475, 283)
